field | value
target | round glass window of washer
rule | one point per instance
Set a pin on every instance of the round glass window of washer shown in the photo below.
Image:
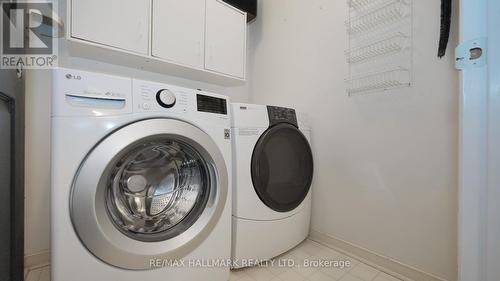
(157, 190)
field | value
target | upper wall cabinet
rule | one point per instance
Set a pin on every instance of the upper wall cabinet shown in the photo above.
(179, 31)
(225, 39)
(202, 40)
(122, 24)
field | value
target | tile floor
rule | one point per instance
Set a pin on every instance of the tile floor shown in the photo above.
(311, 251)
(38, 274)
(277, 271)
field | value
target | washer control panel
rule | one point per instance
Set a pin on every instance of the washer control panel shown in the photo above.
(153, 97)
(211, 104)
(82, 93)
(281, 115)
(166, 98)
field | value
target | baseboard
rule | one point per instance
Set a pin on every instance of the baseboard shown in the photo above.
(37, 260)
(382, 263)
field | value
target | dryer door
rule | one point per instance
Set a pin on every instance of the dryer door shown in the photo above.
(282, 167)
(151, 190)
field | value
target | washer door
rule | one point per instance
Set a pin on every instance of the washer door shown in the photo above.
(282, 167)
(152, 190)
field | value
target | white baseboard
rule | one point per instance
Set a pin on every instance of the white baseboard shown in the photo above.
(37, 260)
(382, 263)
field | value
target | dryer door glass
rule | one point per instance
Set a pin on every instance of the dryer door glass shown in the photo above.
(282, 167)
(157, 189)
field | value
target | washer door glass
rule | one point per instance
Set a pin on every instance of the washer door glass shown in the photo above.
(157, 189)
(282, 167)
(153, 189)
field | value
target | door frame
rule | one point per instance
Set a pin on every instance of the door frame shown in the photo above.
(493, 194)
(16, 108)
(479, 195)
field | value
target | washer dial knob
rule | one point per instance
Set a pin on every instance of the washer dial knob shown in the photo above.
(166, 98)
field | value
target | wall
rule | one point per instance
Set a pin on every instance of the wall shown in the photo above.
(386, 163)
(37, 169)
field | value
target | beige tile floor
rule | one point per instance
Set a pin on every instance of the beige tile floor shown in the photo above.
(38, 274)
(312, 251)
(272, 271)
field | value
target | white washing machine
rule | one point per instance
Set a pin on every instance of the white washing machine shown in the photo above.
(141, 188)
(272, 173)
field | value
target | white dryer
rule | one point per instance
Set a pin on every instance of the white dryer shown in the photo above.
(272, 176)
(141, 188)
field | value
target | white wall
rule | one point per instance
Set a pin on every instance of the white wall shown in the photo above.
(386, 164)
(37, 169)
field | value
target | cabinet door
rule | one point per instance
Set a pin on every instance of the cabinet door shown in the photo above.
(121, 24)
(179, 31)
(225, 39)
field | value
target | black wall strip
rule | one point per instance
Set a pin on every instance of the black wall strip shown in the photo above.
(445, 27)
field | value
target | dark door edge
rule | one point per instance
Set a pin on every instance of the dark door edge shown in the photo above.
(16, 107)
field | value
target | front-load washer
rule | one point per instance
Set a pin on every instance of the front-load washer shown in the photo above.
(141, 182)
(272, 176)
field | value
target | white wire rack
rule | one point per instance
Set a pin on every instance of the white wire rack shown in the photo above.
(384, 62)
(387, 45)
(362, 4)
(359, 4)
(380, 14)
(381, 81)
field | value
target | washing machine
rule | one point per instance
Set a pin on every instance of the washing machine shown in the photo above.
(272, 177)
(141, 188)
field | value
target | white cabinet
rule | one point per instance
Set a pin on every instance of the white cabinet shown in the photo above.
(225, 50)
(179, 31)
(202, 40)
(122, 24)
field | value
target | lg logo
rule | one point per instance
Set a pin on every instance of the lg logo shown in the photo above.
(74, 77)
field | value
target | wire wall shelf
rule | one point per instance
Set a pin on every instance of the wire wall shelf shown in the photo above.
(366, 5)
(384, 62)
(359, 4)
(382, 81)
(389, 45)
(386, 13)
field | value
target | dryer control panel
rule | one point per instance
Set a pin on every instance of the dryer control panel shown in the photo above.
(281, 115)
